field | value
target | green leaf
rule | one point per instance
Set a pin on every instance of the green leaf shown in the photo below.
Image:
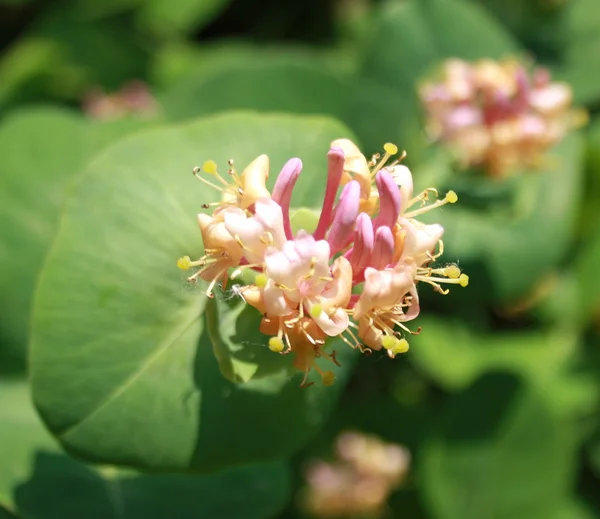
(499, 452)
(41, 150)
(38, 481)
(582, 51)
(275, 83)
(62, 57)
(179, 61)
(586, 265)
(455, 356)
(119, 340)
(513, 245)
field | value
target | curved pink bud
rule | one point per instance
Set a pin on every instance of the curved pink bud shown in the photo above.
(335, 169)
(364, 240)
(389, 199)
(345, 217)
(383, 249)
(282, 191)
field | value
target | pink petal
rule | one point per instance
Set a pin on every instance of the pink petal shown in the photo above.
(364, 239)
(345, 217)
(383, 249)
(282, 191)
(389, 199)
(335, 169)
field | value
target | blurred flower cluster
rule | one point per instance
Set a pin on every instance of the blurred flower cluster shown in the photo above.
(354, 277)
(133, 98)
(358, 484)
(497, 114)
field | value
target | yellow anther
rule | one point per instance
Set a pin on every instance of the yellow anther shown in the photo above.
(316, 310)
(389, 341)
(260, 280)
(184, 263)
(452, 271)
(276, 344)
(401, 346)
(463, 280)
(210, 167)
(328, 378)
(451, 197)
(390, 148)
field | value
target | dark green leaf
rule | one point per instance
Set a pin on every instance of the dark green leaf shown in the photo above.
(39, 482)
(499, 452)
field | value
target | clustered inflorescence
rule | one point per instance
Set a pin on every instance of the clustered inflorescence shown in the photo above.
(354, 277)
(358, 483)
(496, 115)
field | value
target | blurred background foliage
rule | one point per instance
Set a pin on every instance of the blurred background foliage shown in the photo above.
(497, 400)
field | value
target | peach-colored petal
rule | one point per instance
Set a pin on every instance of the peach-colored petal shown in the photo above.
(254, 297)
(254, 179)
(420, 239)
(369, 335)
(383, 289)
(337, 292)
(216, 236)
(356, 164)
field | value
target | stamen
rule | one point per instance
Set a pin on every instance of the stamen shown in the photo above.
(308, 336)
(196, 172)
(316, 310)
(287, 342)
(241, 268)
(276, 344)
(390, 149)
(184, 263)
(462, 280)
(436, 286)
(450, 198)
(209, 293)
(267, 238)
(311, 272)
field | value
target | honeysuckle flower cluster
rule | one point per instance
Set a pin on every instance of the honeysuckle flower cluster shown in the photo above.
(497, 114)
(354, 277)
(359, 482)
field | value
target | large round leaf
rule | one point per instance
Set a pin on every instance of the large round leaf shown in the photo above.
(122, 363)
(258, 81)
(499, 452)
(37, 481)
(42, 150)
